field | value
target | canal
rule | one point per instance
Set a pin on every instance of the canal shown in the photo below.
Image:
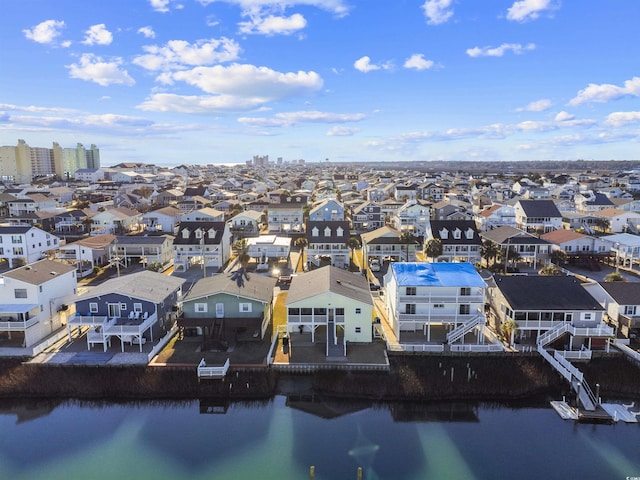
(281, 438)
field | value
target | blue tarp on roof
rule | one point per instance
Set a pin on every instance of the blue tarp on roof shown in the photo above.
(418, 274)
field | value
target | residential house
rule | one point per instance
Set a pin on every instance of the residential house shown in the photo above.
(21, 245)
(333, 305)
(537, 216)
(202, 243)
(625, 247)
(33, 301)
(589, 201)
(451, 210)
(284, 217)
(230, 307)
(137, 249)
(91, 175)
(246, 223)
(206, 214)
(495, 216)
(70, 222)
(136, 309)
(459, 238)
(529, 248)
(115, 220)
(538, 304)
(367, 216)
(619, 221)
(168, 197)
(587, 222)
(423, 296)
(385, 244)
(622, 303)
(431, 192)
(164, 219)
(328, 243)
(576, 245)
(412, 217)
(87, 253)
(265, 248)
(328, 209)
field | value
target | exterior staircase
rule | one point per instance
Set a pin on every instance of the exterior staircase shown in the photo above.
(574, 376)
(461, 330)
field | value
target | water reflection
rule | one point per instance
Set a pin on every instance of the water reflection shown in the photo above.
(282, 437)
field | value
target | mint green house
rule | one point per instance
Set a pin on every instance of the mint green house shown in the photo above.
(229, 306)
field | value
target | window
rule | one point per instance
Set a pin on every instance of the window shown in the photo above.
(137, 307)
(410, 308)
(123, 306)
(358, 329)
(18, 251)
(245, 308)
(319, 311)
(93, 307)
(358, 311)
(339, 311)
(465, 309)
(200, 307)
(630, 309)
(411, 290)
(306, 311)
(294, 311)
(16, 239)
(40, 288)
(20, 292)
(465, 291)
(438, 305)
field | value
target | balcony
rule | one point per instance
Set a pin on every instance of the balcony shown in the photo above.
(10, 324)
(317, 319)
(424, 299)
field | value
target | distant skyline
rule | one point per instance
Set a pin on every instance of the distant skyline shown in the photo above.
(218, 81)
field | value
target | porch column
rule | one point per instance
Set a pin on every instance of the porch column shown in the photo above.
(571, 342)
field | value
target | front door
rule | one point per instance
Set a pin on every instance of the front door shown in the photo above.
(219, 310)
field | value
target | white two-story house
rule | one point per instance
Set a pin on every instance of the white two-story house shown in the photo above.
(20, 245)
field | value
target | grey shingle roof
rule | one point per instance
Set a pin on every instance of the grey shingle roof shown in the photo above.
(545, 293)
(146, 285)
(624, 293)
(253, 286)
(329, 279)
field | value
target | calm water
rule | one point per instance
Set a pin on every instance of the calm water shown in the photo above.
(274, 440)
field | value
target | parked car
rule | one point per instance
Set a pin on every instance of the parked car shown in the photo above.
(374, 286)
(374, 266)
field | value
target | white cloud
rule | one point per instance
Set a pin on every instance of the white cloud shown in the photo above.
(337, 7)
(273, 25)
(564, 116)
(516, 48)
(95, 69)
(606, 92)
(618, 119)
(147, 32)
(98, 35)
(524, 10)
(292, 118)
(342, 132)
(169, 102)
(236, 87)
(45, 32)
(418, 62)
(161, 6)
(364, 65)
(537, 106)
(437, 11)
(180, 53)
(249, 80)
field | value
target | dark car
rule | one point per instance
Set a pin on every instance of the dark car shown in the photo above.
(374, 286)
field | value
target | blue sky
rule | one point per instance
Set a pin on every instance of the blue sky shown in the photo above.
(218, 81)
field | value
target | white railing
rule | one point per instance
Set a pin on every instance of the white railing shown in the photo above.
(417, 347)
(553, 334)
(138, 329)
(538, 324)
(555, 364)
(15, 325)
(577, 374)
(441, 298)
(599, 331)
(79, 320)
(461, 330)
(575, 354)
(627, 350)
(487, 347)
(212, 372)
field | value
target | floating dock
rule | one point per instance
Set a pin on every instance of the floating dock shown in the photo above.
(621, 412)
(566, 411)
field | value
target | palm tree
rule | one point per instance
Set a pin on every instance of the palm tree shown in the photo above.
(550, 271)
(302, 243)
(353, 244)
(489, 251)
(559, 257)
(407, 238)
(243, 259)
(433, 249)
(509, 328)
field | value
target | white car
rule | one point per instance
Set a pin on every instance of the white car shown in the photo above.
(374, 266)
